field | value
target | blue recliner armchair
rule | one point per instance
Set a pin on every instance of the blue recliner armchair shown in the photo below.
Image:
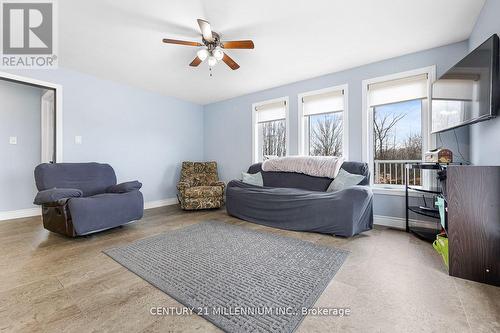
(82, 198)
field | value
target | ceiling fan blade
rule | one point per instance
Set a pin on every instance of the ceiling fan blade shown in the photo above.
(238, 44)
(206, 30)
(196, 61)
(181, 42)
(230, 62)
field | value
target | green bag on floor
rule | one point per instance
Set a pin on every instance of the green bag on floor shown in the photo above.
(441, 246)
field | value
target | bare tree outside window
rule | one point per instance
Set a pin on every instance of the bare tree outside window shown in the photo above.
(273, 136)
(397, 138)
(325, 134)
(384, 136)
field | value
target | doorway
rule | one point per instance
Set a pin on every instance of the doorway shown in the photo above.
(30, 134)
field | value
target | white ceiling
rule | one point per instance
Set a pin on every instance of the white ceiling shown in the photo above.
(120, 40)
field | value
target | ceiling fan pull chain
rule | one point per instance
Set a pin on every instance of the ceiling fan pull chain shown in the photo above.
(210, 69)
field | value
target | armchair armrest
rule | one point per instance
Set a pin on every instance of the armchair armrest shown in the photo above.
(124, 187)
(218, 183)
(56, 194)
(183, 185)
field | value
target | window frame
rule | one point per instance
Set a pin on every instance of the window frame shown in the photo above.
(428, 140)
(303, 145)
(255, 146)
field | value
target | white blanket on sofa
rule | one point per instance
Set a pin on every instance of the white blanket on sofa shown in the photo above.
(318, 166)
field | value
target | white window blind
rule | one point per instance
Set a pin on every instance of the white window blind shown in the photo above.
(271, 111)
(458, 90)
(399, 90)
(332, 101)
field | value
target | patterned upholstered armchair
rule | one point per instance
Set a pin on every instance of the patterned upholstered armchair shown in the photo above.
(199, 187)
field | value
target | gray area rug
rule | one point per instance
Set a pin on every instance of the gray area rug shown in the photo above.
(239, 279)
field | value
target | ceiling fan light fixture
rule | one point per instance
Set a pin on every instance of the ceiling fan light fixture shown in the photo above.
(202, 54)
(218, 53)
(212, 48)
(212, 61)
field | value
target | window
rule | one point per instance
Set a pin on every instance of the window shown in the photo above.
(397, 125)
(397, 138)
(270, 129)
(323, 122)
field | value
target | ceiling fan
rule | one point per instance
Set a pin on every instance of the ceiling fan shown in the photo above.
(213, 47)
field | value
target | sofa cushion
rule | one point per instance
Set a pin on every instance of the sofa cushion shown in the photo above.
(252, 178)
(306, 182)
(358, 168)
(91, 178)
(344, 180)
(202, 203)
(199, 173)
(104, 211)
(343, 213)
(291, 179)
(203, 191)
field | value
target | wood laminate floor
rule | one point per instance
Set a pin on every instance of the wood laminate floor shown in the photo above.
(391, 281)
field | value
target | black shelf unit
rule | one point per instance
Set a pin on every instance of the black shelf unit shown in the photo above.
(427, 234)
(429, 213)
(432, 190)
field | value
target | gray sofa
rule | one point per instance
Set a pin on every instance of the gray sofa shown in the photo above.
(82, 198)
(300, 202)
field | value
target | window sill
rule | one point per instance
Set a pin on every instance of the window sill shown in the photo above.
(394, 190)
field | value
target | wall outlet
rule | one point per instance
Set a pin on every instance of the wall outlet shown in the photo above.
(13, 140)
(78, 139)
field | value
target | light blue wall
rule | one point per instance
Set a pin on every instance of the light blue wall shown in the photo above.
(20, 117)
(485, 145)
(143, 135)
(228, 123)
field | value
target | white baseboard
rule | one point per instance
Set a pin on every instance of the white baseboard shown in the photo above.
(160, 203)
(21, 213)
(399, 222)
(387, 221)
(37, 211)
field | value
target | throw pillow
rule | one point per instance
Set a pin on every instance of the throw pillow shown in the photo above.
(344, 180)
(252, 178)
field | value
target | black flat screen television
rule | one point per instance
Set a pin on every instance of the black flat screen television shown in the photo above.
(470, 91)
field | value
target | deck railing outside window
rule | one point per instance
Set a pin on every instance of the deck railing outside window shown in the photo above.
(393, 172)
